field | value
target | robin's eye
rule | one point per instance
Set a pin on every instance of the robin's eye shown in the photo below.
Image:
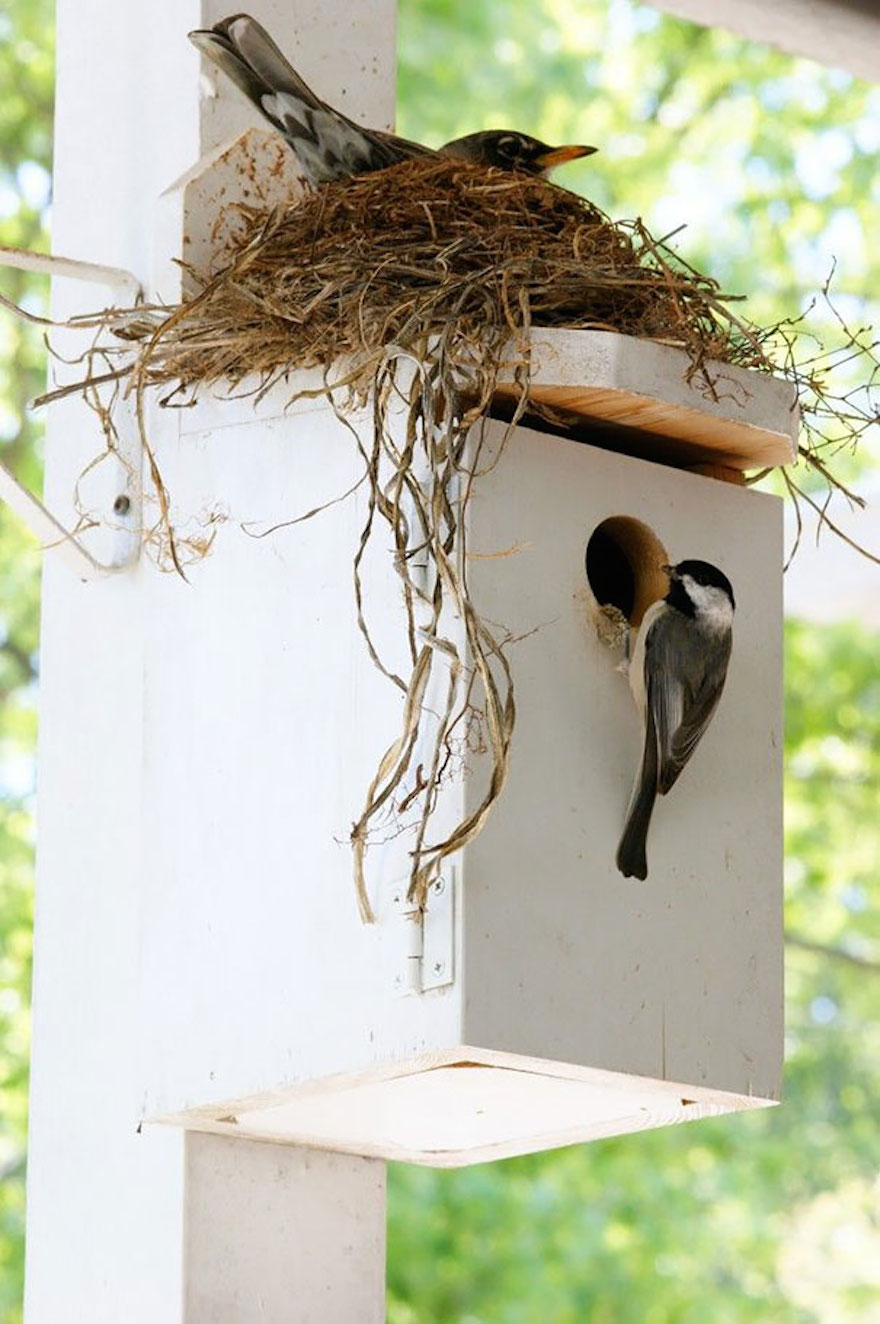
(508, 146)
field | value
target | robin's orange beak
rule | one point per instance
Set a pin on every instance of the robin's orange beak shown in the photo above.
(559, 155)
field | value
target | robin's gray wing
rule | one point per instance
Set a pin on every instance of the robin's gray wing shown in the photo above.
(682, 694)
(328, 144)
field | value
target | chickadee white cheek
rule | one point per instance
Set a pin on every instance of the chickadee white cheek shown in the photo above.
(714, 608)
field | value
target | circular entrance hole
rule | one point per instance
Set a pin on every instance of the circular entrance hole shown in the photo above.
(624, 566)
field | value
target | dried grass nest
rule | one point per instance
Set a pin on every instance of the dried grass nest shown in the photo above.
(415, 282)
(434, 248)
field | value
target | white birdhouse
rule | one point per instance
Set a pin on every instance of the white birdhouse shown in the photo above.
(542, 998)
(206, 746)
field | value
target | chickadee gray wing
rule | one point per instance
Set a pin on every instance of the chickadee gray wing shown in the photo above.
(683, 694)
(697, 712)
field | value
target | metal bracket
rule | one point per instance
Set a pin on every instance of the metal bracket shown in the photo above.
(53, 264)
(429, 951)
(125, 495)
(438, 933)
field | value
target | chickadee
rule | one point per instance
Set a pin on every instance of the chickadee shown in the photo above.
(677, 673)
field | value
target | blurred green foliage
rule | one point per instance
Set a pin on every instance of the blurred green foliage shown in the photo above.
(772, 1216)
(713, 1221)
(26, 79)
(769, 163)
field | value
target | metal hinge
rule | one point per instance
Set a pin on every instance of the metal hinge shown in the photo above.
(428, 958)
(124, 495)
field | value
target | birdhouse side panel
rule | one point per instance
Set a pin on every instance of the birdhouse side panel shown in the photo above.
(678, 977)
(264, 722)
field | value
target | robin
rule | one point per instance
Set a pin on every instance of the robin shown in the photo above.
(512, 151)
(327, 143)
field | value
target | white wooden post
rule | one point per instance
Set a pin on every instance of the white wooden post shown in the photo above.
(105, 1202)
(843, 34)
(277, 1233)
(205, 747)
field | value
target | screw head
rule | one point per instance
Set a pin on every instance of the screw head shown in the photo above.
(439, 967)
(438, 887)
(122, 504)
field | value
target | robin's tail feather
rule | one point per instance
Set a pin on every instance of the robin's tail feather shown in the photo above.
(328, 145)
(243, 49)
(631, 853)
(257, 49)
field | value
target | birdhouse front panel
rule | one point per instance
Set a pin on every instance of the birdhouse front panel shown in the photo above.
(678, 977)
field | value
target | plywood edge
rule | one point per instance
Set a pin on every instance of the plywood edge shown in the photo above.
(463, 1158)
(666, 1103)
(631, 395)
(455, 1055)
(631, 363)
(722, 415)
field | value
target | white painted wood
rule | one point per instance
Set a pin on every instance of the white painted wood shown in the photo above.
(729, 416)
(205, 748)
(559, 959)
(266, 684)
(282, 1235)
(104, 1202)
(46, 528)
(119, 474)
(53, 264)
(844, 34)
(679, 977)
(446, 1110)
(199, 219)
(262, 720)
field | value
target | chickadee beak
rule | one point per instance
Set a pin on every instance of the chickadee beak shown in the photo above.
(669, 570)
(559, 155)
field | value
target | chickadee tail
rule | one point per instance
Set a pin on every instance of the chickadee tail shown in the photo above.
(243, 49)
(631, 853)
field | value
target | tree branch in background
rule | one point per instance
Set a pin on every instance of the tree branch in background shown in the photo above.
(25, 663)
(831, 953)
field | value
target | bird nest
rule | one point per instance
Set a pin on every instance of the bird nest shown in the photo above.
(420, 282)
(433, 249)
